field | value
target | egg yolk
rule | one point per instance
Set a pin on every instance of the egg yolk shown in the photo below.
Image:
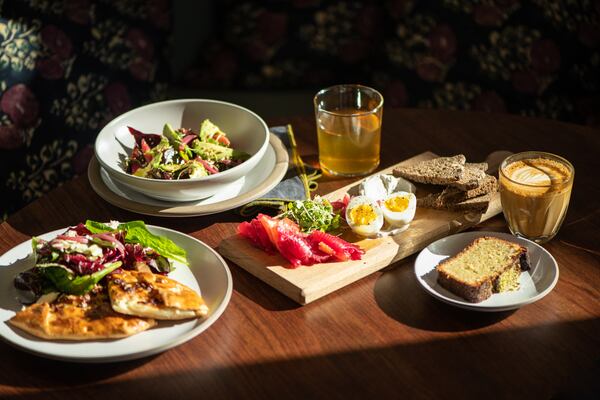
(363, 214)
(397, 203)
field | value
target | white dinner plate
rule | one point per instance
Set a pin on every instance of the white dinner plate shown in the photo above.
(534, 284)
(208, 274)
(264, 177)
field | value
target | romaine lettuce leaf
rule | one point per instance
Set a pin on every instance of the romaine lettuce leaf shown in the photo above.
(138, 233)
(65, 280)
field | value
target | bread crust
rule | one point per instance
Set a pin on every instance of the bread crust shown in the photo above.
(472, 177)
(438, 171)
(476, 292)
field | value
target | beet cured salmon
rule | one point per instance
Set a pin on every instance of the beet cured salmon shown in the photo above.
(270, 234)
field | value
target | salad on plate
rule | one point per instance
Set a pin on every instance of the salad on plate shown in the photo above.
(103, 281)
(182, 153)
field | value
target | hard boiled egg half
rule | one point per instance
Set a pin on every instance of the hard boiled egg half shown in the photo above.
(399, 208)
(364, 216)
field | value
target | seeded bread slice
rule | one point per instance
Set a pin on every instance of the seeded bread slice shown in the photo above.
(480, 268)
(472, 177)
(477, 204)
(451, 195)
(438, 171)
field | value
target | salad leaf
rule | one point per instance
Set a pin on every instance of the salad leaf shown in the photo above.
(163, 264)
(172, 136)
(34, 243)
(98, 227)
(155, 158)
(138, 233)
(65, 280)
(311, 215)
(196, 170)
(211, 151)
(208, 130)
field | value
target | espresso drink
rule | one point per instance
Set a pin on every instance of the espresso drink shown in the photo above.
(535, 189)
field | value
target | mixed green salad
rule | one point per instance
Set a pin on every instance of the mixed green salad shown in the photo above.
(78, 259)
(182, 153)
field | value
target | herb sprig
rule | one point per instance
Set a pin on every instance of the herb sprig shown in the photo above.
(312, 215)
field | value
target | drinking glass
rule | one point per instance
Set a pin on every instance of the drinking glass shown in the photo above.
(535, 189)
(349, 129)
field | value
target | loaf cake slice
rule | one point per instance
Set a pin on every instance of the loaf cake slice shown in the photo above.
(438, 171)
(487, 265)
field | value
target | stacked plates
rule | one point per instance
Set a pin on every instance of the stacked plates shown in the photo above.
(265, 176)
(211, 194)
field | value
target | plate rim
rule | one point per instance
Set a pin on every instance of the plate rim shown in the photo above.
(192, 333)
(477, 306)
(180, 211)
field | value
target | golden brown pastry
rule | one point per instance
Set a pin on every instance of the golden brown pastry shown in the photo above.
(85, 317)
(151, 295)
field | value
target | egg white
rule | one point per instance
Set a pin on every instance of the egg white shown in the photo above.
(370, 229)
(400, 218)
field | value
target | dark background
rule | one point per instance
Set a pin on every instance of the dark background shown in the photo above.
(69, 67)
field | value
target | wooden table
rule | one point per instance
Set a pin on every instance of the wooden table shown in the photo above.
(380, 336)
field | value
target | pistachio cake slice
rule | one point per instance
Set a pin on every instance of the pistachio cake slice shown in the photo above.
(487, 265)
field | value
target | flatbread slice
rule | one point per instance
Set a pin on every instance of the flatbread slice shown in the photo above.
(151, 295)
(87, 317)
(438, 171)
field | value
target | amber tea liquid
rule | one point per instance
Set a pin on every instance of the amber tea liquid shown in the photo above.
(349, 142)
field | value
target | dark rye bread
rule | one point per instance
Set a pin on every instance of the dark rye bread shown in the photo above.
(438, 171)
(477, 204)
(472, 177)
(450, 196)
(474, 273)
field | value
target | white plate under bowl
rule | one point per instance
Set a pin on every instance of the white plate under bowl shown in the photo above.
(534, 284)
(246, 130)
(208, 274)
(264, 177)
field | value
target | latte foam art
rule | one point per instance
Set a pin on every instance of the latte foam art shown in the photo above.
(529, 175)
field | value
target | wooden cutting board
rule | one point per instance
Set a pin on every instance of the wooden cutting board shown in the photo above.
(306, 284)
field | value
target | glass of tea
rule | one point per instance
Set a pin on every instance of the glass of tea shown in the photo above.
(535, 189)
(349, 129)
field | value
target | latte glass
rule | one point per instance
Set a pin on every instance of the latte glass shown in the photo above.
(535, 189)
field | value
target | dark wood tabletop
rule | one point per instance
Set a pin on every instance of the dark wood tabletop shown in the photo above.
(382, 336)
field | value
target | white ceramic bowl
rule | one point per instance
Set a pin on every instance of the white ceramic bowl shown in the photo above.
(246, 130)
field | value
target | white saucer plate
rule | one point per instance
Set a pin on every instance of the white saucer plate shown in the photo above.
(208, 274)
(264, 177)
(534, 284)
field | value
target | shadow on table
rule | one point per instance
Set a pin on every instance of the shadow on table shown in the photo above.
(418, 310)
(473, 367)
(259, 292)
(29, 370)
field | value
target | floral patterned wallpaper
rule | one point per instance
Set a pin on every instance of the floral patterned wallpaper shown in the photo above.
(537, 58)
(67, 67)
